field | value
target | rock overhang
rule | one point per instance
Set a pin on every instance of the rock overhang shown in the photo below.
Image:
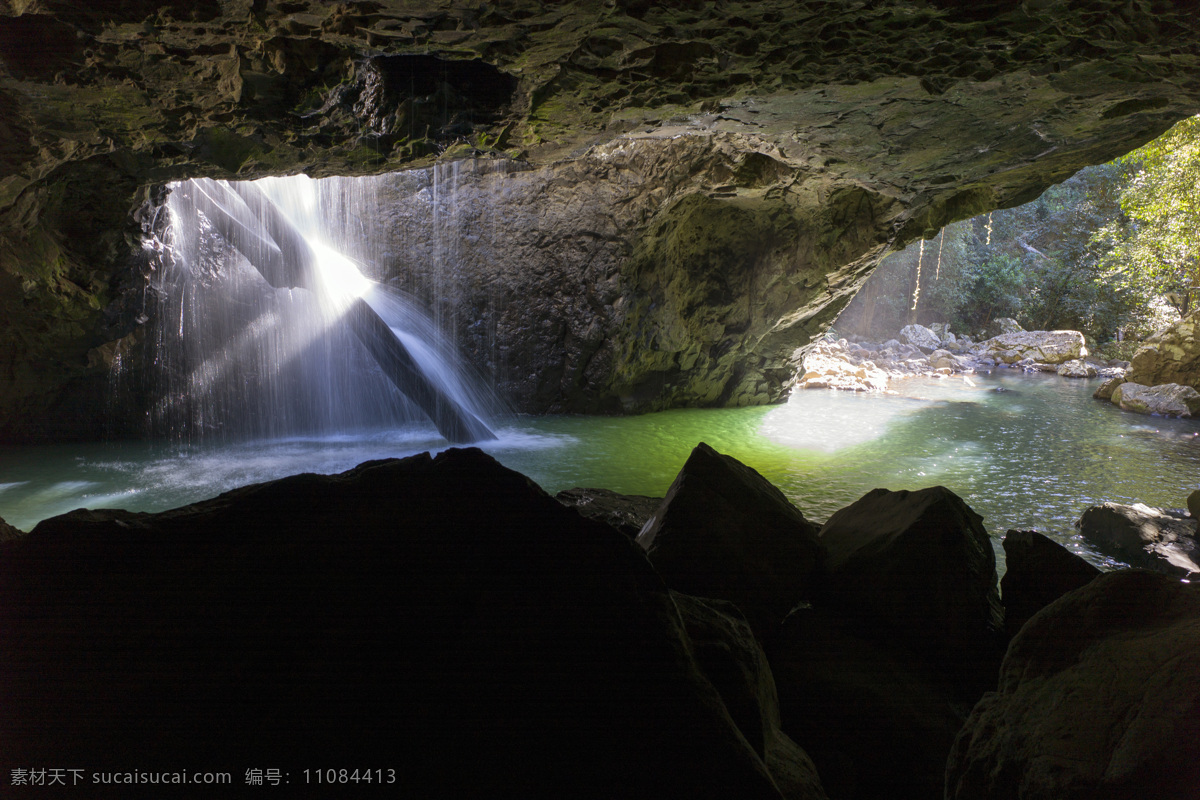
(899, 117)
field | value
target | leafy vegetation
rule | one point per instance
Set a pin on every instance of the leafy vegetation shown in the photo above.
(1102, 252)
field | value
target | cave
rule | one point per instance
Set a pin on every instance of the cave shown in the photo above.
(681, 197)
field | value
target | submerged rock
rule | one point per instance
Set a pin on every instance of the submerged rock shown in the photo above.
(625, 512)
(1167, 400)
(1039, 571)
(1099, 697)
(919, 565)
(1143, 536)
(732, 659)
(724, 531)
(442, 615)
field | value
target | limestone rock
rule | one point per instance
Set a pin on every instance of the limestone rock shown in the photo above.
(1099, 696)
(876, 719)
(1168, 400)
(732, 659)
(1076, 368)
(1049, 347)
(1039, 571)
(625, 512)
(724, 531)
(441, 608)
(1143, 536)
(1105, 392)
(921, 564)
(1170, 356)
(920, 336)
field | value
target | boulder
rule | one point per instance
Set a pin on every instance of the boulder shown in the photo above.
(724, 531)
(1048, 347)
(920, 565)
(1105, 392)
(1003, 325)
(625, 512)
(939, 359)
(1099, 697)
(442, 615)
(826, 365)
(920, 336)
(1143, 536)
(1039, 571)
(1167, 400)
(876, 719)
(1170, 356)
(1076, 368)
(1193, 504)
(732, 660)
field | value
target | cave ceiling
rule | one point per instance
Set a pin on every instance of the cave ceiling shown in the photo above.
(934, 110)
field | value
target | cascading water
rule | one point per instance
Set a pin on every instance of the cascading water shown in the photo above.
(268, 327)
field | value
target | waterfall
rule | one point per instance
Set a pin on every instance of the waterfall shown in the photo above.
(272, 321)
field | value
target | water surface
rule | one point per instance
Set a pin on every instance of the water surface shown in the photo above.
(1026, 451)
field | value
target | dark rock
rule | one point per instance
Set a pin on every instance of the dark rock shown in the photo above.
(1142, 536)
(876, 719)
(1097, 698)
(8, 531)
(1039, 571)
(724, 531)
(440, 615)
(628, 513)
(1193, 504)
(731, 658)
(920, 565)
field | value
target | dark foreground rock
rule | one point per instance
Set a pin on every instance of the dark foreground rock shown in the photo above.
(724, 531)
(8, 531)
(920, 568)
(876, 719)
(731, 658)
(1039, 571)
(1099, 697)
(1142, 536)
(627, 513)
(440, 616)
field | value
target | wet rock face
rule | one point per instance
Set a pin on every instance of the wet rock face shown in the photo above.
(892, 119)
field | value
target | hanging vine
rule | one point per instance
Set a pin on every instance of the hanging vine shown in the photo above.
(941, 240)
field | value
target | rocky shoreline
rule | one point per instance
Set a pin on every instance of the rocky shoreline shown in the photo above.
(724, 647)
(855, 364)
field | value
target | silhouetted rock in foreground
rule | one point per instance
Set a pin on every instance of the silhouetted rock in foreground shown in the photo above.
(1039, 571)
(627, 513)
(1098, 698)
(440, 616)
(724, 531)
(919, 568)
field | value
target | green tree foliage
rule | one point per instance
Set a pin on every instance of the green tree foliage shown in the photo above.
(1154, 249)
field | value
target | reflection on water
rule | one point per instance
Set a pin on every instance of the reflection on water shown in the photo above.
(1025, 452)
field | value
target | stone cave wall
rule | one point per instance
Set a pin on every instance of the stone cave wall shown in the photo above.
(802, 137)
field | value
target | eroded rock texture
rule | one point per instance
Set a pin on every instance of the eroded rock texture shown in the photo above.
(855, 127)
